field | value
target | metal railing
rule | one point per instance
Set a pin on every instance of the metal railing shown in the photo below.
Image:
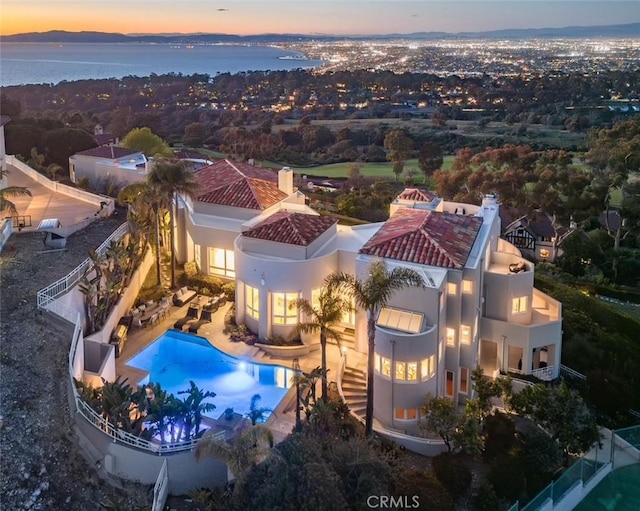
(48, 294)
(161, 488)
(46, 297)
(544, 373)
(571, 373)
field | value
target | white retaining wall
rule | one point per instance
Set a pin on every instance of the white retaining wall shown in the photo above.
(56, 186)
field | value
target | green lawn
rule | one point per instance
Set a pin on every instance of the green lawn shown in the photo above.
(384, 169)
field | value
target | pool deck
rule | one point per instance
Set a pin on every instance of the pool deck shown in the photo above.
(282, 419)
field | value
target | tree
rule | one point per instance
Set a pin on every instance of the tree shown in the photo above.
(430, 158)
(257, 413)
(562, 413)
(144, 140)
(442, 418)
(399, 147)
(251, 446)
(613, 154)
(6, 206)
(53, 170)
(321, 317)
(195, 407)
(146, 202)
(172, 179)
(61, 143)
(372, 294)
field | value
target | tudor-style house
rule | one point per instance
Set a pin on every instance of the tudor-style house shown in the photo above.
(478, 305)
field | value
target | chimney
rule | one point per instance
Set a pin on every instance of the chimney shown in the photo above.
(285, 180)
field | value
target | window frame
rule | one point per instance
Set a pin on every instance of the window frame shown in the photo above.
(520, 304)
(289, 316)
(452, 289)
(229, 268)
(450, 334)
(467, 286)
(250, 305)
(465, 339)
(464, 370)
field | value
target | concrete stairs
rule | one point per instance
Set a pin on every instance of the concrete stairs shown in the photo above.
(354, 388)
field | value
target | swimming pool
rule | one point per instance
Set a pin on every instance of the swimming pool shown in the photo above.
(177, 357)
(618, 491)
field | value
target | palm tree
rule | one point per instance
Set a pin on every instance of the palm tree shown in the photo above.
(329, 311)
(372, 294)
(6, 206)
(146, 201)
(195, 407)
(251, 446)
(257, 414)
(172, 178)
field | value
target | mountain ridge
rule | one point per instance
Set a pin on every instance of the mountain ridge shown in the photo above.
(62, 36)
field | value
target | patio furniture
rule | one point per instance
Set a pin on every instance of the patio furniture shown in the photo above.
(205, 317)
(183, 296)
(192, 314)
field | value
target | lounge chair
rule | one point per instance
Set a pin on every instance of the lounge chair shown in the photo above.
(205, 317)
(192, 314)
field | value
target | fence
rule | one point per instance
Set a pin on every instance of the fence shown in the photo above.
(48, 294)
(161, 488)
(46, 301)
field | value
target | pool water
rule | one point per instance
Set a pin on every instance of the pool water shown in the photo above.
(618, 491)
(175, 358)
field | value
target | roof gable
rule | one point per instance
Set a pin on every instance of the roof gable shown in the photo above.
(291, 228)
(425, 237)
(415, 194)
(237, 184)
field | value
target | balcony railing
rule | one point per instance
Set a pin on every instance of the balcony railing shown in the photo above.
(544, 373)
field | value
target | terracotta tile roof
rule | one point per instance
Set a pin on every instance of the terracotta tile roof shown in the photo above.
(425, 237)
(108, 151)
(416, 194)
(238, 184)
(291, 228)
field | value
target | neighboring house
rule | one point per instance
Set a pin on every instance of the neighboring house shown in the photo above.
(478, 306)
(109, 164)
(535, 237)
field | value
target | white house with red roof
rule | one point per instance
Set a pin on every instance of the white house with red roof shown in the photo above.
(478, 306)
(109, 164)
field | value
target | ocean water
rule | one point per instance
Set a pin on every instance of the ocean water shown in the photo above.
(36, 63)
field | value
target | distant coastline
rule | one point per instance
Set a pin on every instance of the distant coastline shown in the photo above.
(52, 63)
(628, 30)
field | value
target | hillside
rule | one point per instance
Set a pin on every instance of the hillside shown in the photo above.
(61, 36)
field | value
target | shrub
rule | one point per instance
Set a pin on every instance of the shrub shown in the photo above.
(213, 285)
(190, 269)
(507, 477)
(500, 435)
(454, 475)
(428, 490)
(229, 290)
(486, 499)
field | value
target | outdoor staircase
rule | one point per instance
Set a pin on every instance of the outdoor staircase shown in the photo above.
(354, 388)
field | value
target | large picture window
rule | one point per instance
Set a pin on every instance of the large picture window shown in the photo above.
(221, 262)
(252, 298)
(285, 311)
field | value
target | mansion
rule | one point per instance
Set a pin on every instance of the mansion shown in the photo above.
(478, 305)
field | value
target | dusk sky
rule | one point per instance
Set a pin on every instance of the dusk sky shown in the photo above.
(307, 16)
